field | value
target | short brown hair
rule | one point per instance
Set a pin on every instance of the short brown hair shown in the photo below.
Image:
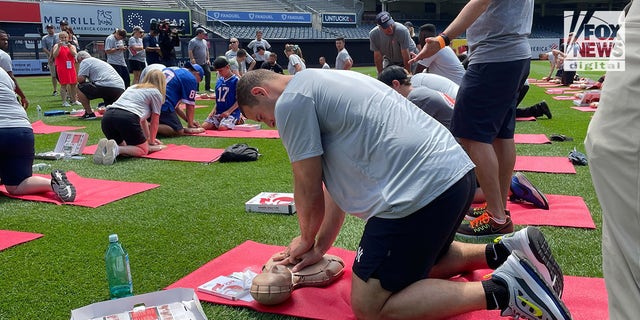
(250, 80)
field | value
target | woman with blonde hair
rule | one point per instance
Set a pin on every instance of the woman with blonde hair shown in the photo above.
(296, 61)
(64, 55)
(125, 124)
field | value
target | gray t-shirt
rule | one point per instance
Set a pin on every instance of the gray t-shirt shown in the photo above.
(116, 58)
(48, 41)
(434, 103)
(391, 46)
(5, 61)
(501, 33)
(100, 73)
(140, 55)
(254, 44)
(12, 114)
(381, 155)
(342, 58)
(199, 49)
(140, 101)
(293, 60)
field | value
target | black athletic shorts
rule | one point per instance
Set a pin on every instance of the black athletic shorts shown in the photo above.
(486, 102)
(108, 94)
(122, 125)
(399, 252)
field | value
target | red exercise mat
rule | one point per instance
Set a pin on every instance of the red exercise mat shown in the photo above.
(554, 91)
(544, 164)
(564, 211)
(531, 138)
(177, 153)
(40, 127)
(564, 98)
(90, 192)
(585, 109)
(586, 298)
(10, 238)
(526, 119)
(268, 134)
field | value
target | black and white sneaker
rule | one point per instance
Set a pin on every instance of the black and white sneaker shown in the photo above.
(88, 116)
(62, 187)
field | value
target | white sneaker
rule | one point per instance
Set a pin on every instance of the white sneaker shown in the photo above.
(77, 103)
(530, 297)
(111, 152)
(66, 104)
(531, 243)
(101, 150)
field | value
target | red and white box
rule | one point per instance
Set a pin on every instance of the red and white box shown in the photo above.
(272, 202)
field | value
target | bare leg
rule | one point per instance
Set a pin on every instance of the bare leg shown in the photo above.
(63, 92)
(506, 153)
(86, 104)
(31, 185)
(462, 257)
(487, 171)
(166, 131)
(73, 96)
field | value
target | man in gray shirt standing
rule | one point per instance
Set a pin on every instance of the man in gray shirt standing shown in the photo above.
(48, 41)
(343, 59)
(484, 114)
(390, 42)
(199, 54)
(114, 47)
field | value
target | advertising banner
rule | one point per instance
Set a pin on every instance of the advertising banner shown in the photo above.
(30, 67)
(19, 11)
(132, 17)
(338, 18)
(240, 16)
(84, 19)
(542, 45)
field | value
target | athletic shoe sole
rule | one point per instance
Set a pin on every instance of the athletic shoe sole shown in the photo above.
(531, 242)
(98, 156)
(530, 297)
(62, 187)
(111, 152)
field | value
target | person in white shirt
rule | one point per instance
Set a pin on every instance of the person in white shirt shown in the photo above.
(343, 59)
(445, 63)
(323, 63)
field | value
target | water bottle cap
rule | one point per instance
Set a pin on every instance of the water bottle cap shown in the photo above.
(113, 238)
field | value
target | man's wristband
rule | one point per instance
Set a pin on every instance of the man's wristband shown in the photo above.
(441, 42)
(446, 39)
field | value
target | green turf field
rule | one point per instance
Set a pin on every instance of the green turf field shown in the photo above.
(198, 214)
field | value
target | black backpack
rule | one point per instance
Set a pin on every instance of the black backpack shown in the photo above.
(239, 152)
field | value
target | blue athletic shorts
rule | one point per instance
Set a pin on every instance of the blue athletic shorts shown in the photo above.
(399, 252)
(122, 125)
(486, 102)
(16, 155)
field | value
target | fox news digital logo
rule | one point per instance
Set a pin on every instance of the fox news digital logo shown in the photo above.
(593, 41)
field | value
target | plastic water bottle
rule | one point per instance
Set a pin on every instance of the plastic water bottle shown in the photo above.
(39, 108)
(40, 167)
(118, 271)
(67, 149)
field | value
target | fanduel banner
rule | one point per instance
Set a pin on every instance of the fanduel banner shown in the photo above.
(239, 16)
(132, 17)
(84, 19)
(338, 18)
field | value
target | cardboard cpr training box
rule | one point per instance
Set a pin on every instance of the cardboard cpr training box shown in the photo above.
(272, 202)
(175, 304)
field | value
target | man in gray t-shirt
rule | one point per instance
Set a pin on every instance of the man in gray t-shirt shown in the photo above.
(358, 147)
(199, 54)
(115, 47)
(390, 42)
(484, 114)
(48, 41)
(97, 79)
(343, 59)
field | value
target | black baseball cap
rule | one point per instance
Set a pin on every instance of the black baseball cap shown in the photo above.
(220, 62)
(64, 23)
(49, 26)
